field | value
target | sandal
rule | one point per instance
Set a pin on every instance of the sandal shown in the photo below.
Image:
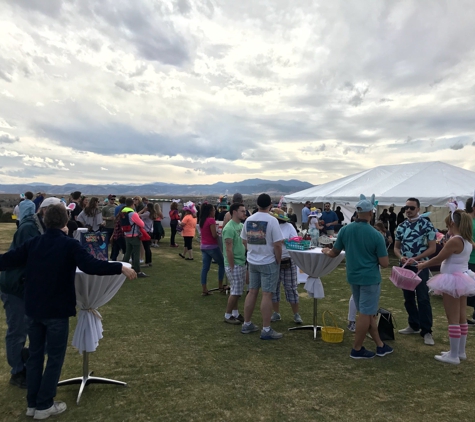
(189, 259)
(206, 294)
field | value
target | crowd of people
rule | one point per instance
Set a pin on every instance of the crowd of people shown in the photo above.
(248, 249)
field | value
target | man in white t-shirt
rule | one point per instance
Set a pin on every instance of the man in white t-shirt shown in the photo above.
(262, 237)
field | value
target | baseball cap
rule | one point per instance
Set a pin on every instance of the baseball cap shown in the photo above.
(365, 205)
(50, 201)
(237, 197)
(264, 200)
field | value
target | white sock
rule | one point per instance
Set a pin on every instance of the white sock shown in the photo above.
(246, 323)
(227, 316)
(463, 338)
(454, 338)
(235, 313)
(266, 329)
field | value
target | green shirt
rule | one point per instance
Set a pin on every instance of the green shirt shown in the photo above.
(232, 231)
(363, 245)
(472, 255)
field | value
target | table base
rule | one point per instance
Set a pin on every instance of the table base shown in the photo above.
(313, 327)
(86, 378)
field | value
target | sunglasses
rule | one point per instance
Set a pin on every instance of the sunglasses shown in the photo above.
(407, 207)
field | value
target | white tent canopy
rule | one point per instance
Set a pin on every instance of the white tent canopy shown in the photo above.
(433, 183)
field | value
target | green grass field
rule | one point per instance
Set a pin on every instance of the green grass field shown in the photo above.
(183, 363)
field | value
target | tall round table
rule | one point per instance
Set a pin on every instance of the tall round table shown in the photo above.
(92, 291)
(314, 263)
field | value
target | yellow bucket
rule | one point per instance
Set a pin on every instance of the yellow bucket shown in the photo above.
(331, 334)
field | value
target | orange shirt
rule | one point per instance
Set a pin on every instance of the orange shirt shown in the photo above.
(189, 226)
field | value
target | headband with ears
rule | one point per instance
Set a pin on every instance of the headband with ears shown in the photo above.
(453, 207)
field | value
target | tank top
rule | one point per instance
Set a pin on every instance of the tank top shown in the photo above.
(457, 262)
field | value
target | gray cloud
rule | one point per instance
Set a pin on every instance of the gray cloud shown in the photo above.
(50, 7)
(7, 139)
(129, 87)
(457, 146)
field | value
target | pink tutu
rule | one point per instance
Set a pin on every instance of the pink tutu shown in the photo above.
(456, 285)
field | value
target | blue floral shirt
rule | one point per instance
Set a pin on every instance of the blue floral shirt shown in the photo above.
(415, 236)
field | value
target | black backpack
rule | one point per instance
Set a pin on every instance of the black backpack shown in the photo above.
(124, 221)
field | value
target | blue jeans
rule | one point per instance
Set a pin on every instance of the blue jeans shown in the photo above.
(17, 329)
(42, 385)
(208, 255)
(419, 319)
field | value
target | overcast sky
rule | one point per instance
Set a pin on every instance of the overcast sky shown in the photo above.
(200, 91)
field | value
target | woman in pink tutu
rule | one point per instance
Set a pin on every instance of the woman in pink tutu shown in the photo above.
(454, 282)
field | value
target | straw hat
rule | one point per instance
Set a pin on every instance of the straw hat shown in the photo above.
(280, 214)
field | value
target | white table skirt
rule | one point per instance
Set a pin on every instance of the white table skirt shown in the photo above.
(314, 263)
(93, 291)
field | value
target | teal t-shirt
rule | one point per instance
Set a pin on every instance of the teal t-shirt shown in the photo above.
(232, 231)
(472, 255)
(363, 245)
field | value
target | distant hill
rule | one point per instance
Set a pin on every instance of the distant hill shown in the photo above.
(246, 187)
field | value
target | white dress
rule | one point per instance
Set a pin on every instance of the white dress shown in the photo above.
(455, 279)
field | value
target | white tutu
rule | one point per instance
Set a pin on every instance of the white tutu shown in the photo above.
(456, 285)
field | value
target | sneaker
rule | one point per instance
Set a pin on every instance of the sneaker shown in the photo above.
(141, 274)
(240, 318)
(470, 322)
(275, 317)
(298, 319)
(270, 335)
(384, 350)
(428, 339)
(142, 261)
(462, 356)
(232, 320)
(251, 328)
(447, 359)
(361, 354)
(409, 330)
(19, 380)
(30, 411)
(57, 408)
(351, 326)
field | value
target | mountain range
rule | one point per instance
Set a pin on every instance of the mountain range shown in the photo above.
(246, 187)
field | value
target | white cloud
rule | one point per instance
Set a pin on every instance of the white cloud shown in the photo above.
(223, 91)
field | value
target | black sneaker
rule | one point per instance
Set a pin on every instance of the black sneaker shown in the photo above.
(240, 318)
(470, 322)
(232, 320)
(19, 380)
(141, 275)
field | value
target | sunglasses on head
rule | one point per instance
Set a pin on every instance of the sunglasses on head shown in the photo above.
(409, 207)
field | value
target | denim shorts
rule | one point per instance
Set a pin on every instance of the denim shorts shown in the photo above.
(265, 276)
(366, 298)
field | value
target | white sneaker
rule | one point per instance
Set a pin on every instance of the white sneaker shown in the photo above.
(409, 330)
(30, 411)
(462, 356)
(447, 359)
(275, 317)
(57, 408)
(428, 339)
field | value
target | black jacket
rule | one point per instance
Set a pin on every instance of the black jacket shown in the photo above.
(51, 262)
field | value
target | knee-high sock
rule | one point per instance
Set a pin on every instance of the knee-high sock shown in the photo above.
(463, 338)
(454, 337)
